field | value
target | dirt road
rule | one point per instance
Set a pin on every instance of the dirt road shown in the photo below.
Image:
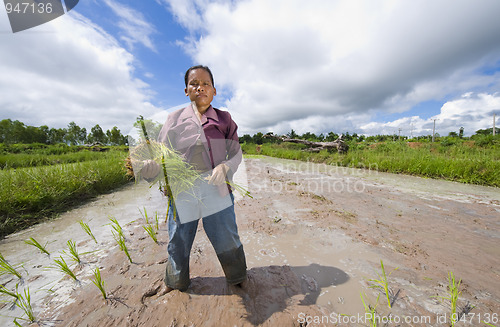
(314, 235)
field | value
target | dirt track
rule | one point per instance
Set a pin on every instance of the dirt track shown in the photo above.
(313, 235)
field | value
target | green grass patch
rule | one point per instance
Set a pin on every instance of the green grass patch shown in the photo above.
(29, 195)
(463, 162)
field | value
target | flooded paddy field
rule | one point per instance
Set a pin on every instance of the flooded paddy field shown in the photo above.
(314, 236)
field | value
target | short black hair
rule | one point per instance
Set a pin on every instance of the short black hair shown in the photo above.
(198, 67)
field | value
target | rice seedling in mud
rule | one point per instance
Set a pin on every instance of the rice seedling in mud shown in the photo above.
(144, 213)
(97, 280)
(151, 232)
(73, 252)
(87, 230)
(119, 237)
(40, 247)
(61, 265)
(383, 285)
(453, 294)
(24, 303)
(7, 292)
(157, 221)
(7, 268)
(120, 240)
(370, 312)
(116, 226)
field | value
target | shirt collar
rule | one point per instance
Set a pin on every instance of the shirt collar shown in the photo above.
(211, 113)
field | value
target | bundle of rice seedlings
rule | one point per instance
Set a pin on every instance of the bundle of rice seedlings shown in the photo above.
(175, 174)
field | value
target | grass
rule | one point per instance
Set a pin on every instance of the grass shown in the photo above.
(151, 232)
(97, 280)
(144, 213)
(40, 247)
(62, 266)
(370, 312)
(87, 230)
(7, 292)
(383, 285)
(7, 268)
(453, 294)
(73, 252)
(24, 303)
(157, 221)
(116, 226)
(120, 240)
(462, 162)
(32, 194)
(119, 237)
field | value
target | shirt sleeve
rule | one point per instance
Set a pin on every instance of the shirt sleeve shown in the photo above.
(233, 148)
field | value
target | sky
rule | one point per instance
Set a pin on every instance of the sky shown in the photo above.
(358, 66)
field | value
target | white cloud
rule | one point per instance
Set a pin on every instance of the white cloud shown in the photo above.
(289, 63)
(69, 70)
(134, 26)
(471, 111)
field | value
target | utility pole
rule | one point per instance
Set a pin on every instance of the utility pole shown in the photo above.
(494, 118)
(433, 130)
(399, 135)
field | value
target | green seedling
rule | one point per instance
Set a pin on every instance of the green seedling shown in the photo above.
(150, 230)
(370, 312)
(87, 230)
(120, 240)
(97, 280)
(5, 291)
(157, 221)
(144, 213)
(453, 294)
(35, 243)
(24, 303)
(7, 268)
(62, 266)
(382, 284)
(116, 226)
(73, 252)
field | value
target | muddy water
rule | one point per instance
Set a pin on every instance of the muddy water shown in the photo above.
(126, 205)
(334, 268)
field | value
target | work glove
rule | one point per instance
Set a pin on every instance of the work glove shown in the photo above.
(218, 175)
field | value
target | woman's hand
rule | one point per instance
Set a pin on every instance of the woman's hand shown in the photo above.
(218, 175)
(150, 169)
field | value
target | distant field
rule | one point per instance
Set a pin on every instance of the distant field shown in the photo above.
(464, 162)
(41, 181)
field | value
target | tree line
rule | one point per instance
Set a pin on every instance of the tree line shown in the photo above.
(260, 138)
(13, 132)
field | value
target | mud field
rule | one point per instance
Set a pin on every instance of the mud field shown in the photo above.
(313, 234)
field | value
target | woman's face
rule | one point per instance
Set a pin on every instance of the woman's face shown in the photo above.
(200, 89)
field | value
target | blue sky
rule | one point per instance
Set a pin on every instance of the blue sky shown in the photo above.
(359, 66)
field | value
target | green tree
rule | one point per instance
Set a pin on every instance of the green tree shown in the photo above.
(292, 134)
(246, 139)
(115, 137)
(331, 136)
(258, 138)
(97, 135)
(75, 134)
(56, 135)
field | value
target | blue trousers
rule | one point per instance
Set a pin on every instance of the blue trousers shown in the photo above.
(222, 232)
